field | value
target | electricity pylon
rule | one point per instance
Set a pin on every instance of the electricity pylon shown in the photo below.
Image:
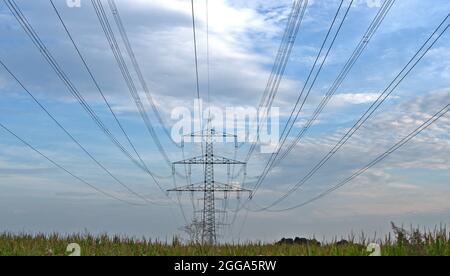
(209, 187)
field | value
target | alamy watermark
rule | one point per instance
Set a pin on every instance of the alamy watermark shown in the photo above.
(244, 124)
(374, 249)
(73, 3)
(74, 249)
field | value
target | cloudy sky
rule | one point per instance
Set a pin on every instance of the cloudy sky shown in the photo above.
(410, 187)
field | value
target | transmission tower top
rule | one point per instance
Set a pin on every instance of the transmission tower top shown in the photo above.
(209, 187)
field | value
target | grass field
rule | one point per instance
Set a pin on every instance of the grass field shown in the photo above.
(400, 243)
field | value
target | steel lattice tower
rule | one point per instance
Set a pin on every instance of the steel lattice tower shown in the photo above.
(209, 187)
(209, 204)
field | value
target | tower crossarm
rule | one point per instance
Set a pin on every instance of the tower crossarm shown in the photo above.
(211, 133)
(218, 187)
(217, 160)
(225, 161)
(209, 187)
(192, 161)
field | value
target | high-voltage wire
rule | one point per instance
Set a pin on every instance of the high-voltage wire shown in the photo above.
(313, 75)
(407, 69)
(137, 68)
(441, 113)
(104, 22)
(56, 164)
(15, 10)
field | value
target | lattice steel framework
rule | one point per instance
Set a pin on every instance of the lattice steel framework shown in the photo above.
(209, 187)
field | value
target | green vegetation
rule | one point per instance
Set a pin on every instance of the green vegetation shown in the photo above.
(400, 243)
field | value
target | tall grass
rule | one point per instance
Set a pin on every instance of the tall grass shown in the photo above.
(435, 242)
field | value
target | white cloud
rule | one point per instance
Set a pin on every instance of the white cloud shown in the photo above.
(354, 98)
(428, 154)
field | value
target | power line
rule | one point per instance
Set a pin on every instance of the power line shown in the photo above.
(383, 11)
(187, 173)
(104, 22)
(307, 82)
(298, 19)
(195, 52)
(180, 206)
(106, 27)
(109, 33)
(22, 20)
(387, 5)
(65, 170)
(287, 43)
(294, 22)
(293, 25)
(197, 79)
(377, 160)
(142, 165)
(208, 53)
(71, 136)
(137, 67)
(292, 119)
(368, 114)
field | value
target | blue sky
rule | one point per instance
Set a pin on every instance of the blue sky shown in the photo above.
(410, 187)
